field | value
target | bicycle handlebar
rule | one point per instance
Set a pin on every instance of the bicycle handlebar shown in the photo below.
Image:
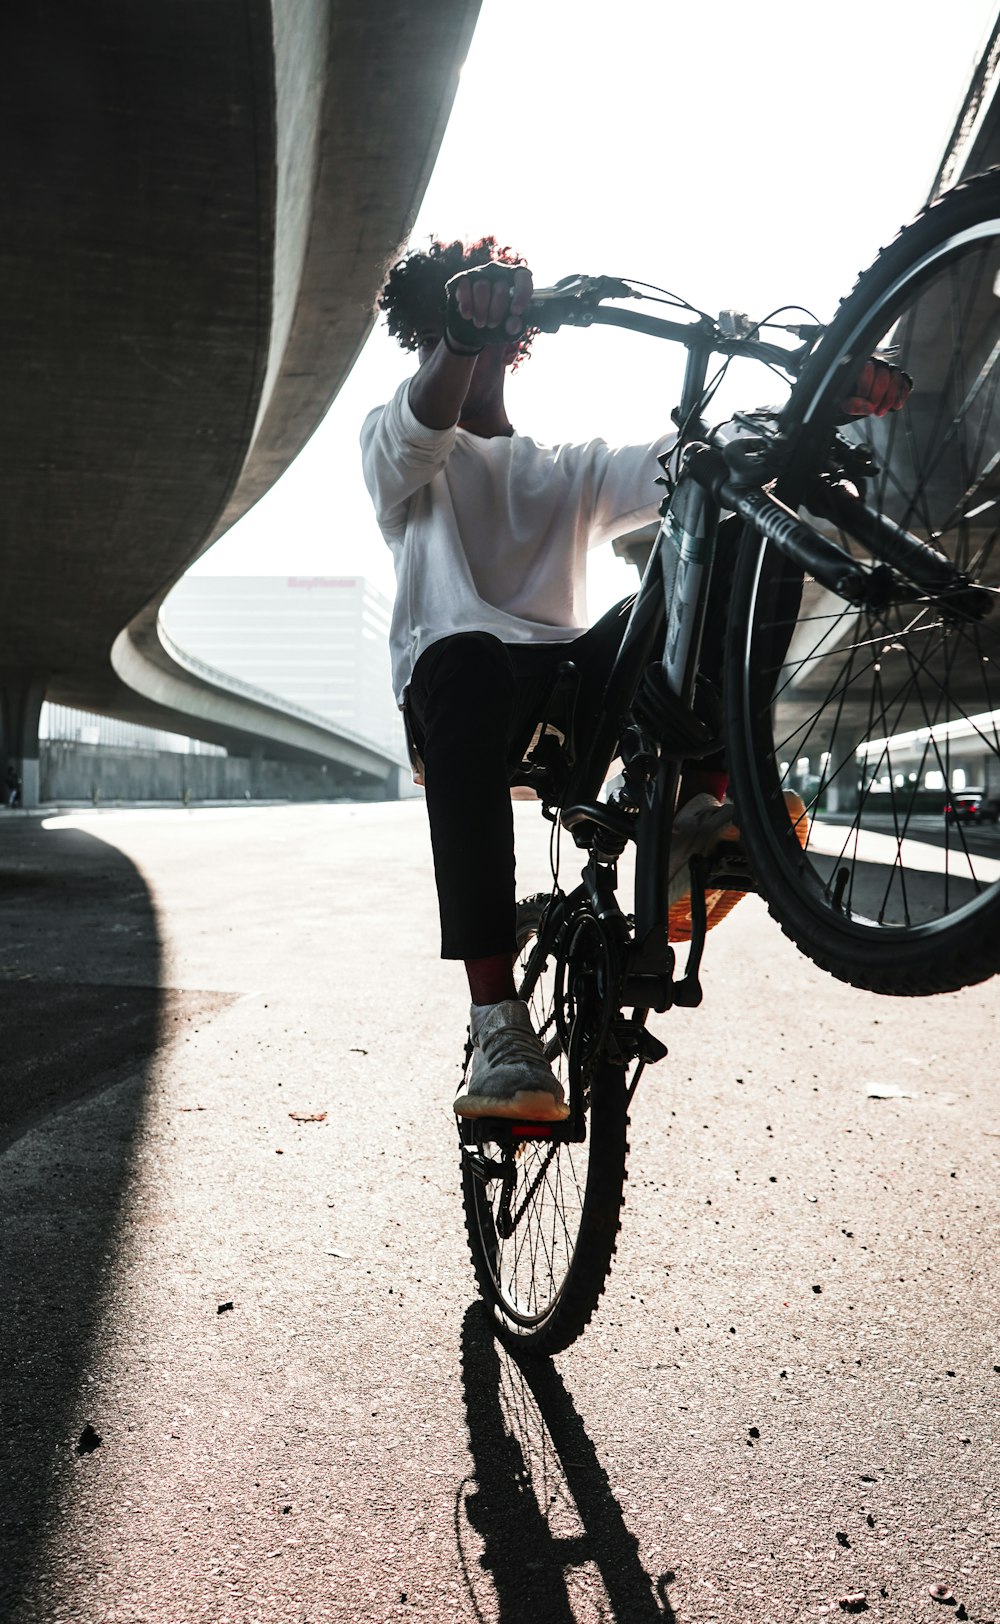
(578, 301)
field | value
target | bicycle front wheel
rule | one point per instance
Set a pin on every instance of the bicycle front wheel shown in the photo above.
(878, 718)
(543, 1204)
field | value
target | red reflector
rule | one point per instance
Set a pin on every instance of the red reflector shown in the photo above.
(529, 1130)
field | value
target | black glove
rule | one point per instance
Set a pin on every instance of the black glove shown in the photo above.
(461, 335)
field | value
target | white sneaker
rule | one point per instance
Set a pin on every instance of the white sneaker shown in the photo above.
(706, 819)
(509, 1075)
(700, 826)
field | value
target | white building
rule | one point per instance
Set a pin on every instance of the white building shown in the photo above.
(321, 642)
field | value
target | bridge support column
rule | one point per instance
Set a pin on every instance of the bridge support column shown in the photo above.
(21, 696)
(840, 772)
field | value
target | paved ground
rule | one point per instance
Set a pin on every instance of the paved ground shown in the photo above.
(791, 1394)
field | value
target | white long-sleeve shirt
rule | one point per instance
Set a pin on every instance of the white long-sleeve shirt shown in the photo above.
(492, 534)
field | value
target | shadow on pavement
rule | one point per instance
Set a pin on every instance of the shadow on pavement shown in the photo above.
(81, 1009)
(540, 1501)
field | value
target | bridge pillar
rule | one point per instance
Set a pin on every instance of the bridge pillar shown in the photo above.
(21, 696)
(839, 772)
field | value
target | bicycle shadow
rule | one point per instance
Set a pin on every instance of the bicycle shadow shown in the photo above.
(540, 1500)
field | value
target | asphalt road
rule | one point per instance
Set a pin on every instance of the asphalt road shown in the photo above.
(790, 1395)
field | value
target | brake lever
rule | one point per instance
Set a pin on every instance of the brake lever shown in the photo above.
(579, 286)
(572, 300)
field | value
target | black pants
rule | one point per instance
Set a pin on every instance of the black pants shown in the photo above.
(473, 704)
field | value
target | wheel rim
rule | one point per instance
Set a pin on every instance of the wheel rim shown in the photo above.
(529, 1195)
(875, 718)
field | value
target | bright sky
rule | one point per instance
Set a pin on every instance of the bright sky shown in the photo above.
(744, 156)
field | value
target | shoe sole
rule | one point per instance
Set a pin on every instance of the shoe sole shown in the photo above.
(527, 1105)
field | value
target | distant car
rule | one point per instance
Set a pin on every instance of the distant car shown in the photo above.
(967, 806)
(989, 811)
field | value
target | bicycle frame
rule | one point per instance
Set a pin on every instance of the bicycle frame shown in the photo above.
(665, 626)
(666, 623)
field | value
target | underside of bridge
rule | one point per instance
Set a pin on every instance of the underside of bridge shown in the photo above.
(199, 201)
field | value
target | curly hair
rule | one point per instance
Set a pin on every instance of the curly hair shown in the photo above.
(413, 297)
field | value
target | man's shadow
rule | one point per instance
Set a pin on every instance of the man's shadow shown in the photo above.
(540, 1500)
(81, 1011)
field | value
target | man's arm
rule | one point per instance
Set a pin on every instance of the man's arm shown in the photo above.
(398, 456)
(439, 386)
(441, 383)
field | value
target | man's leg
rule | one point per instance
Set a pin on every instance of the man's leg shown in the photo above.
(462, 705)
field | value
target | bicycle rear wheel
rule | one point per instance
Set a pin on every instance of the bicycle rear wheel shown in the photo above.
(543, 1205)
(878, 718)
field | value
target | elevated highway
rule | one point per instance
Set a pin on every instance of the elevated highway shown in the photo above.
(225, 710)
(200, 202)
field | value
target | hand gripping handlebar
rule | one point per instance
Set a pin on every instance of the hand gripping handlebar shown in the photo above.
(571, 302)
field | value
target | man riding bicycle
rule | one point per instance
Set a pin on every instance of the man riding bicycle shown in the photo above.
(489, 533)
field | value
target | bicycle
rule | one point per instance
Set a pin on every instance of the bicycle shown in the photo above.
(862, 574)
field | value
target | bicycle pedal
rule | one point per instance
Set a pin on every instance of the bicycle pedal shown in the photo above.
(730, 871)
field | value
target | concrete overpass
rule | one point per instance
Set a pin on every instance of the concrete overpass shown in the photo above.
(199, 203)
